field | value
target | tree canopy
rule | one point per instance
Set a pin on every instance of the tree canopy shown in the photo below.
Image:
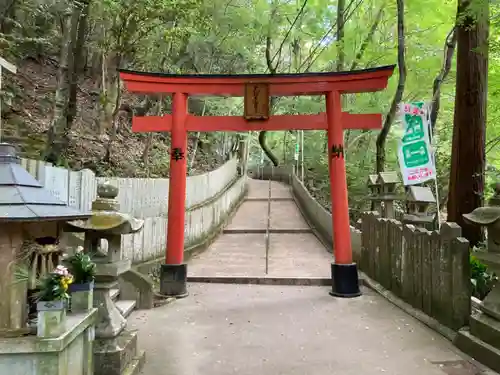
(88, 41)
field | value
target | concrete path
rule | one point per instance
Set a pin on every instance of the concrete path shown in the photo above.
(223, 329)
(241, 250)
(227, 329)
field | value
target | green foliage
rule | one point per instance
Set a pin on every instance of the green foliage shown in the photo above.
(81, 267)
(231, 36)
(482, 280)
(54, 286)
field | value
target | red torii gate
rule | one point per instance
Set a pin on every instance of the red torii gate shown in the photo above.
(257, 90)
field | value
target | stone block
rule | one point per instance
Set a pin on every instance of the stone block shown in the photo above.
(485, 328)
(67, 354)
(113, 356)
(114, 269)
(478, 349)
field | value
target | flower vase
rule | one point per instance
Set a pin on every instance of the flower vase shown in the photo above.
(82, 297)
(51, 318)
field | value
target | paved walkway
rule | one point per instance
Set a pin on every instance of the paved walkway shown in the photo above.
(223, 329)
(241, 250)
(227, 329)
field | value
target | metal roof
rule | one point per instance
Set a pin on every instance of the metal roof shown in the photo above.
(23, 198)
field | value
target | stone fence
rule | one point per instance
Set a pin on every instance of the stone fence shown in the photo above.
(210, 197)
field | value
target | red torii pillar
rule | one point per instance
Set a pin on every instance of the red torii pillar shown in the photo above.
(257, 90)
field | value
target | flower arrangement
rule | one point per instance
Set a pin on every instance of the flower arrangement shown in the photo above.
(54, 286)
(82, 268)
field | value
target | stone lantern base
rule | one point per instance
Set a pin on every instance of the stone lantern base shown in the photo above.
(118, 355)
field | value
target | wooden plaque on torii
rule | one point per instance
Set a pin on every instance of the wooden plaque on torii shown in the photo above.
(256, 101)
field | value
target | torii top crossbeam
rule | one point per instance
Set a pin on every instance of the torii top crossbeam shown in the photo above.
(367, 80)
(355, 81)
(257, 90)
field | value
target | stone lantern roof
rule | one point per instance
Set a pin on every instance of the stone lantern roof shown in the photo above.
(420, 194)
(372, 180)
(23, 198)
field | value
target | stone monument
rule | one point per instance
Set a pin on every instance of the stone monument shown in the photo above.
(115, 349)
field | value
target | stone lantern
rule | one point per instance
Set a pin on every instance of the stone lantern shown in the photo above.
(484, 334)
(375, 190)
(30, 219)
(115, 350)
(418, 199)
(388, 183)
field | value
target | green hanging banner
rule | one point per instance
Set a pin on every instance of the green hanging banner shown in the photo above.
(416, 158)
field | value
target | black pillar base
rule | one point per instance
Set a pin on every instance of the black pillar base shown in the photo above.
(173, 280)
(345, 281)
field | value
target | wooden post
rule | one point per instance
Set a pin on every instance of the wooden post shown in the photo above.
(345, 281)
(13, 69)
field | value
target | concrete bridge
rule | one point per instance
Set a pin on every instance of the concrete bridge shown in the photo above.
(232, 323)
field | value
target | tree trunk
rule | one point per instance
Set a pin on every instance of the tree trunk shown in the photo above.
(110, 90)
(391, 115)
(57, 137)
(149, 140)
(449, 50)
(340, 35)
(272, 69)
(368, 39)
(468, 145)
(7, 16)
(78, 64)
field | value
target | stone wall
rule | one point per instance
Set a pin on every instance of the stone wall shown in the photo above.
(209, 199)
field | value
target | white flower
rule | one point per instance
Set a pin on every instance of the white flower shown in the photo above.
(61, 270)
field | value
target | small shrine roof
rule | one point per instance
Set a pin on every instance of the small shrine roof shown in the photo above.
(23, 198)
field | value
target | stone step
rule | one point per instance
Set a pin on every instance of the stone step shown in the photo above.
(136, 364)
(114, 294)
(478, 349)
(271, 231)
(125, 307)
(485, 328)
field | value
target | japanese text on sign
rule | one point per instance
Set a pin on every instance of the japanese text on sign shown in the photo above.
(415, 153)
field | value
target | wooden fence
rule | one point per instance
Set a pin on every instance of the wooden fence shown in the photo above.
(428, 270)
